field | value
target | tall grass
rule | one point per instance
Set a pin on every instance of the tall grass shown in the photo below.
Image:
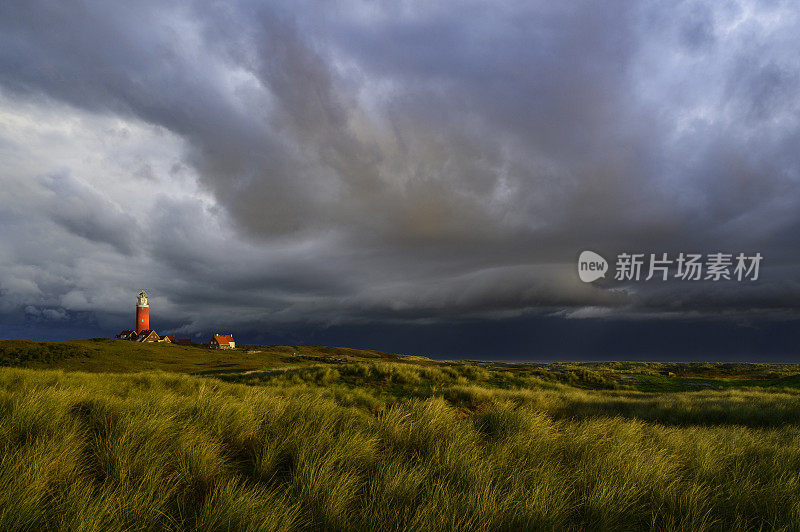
(157, 451)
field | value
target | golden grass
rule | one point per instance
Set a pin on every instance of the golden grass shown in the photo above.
(158, 451)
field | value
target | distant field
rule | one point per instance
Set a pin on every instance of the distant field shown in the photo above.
(116, 435)
(110, 355)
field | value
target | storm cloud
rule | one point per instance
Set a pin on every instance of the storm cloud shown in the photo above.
(291, 168)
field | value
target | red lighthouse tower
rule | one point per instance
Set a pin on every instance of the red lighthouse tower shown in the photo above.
(142, 313)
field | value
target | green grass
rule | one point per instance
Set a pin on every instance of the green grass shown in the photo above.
(281, 438)
(122, 356)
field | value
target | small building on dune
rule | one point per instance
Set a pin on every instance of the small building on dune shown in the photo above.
(184, 341)
(127, 335)
(167, 338)
(148, 336)
(222, 341)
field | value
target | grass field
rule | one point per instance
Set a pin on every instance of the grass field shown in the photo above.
(113, 435)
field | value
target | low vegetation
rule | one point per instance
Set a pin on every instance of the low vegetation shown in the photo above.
(281, 438)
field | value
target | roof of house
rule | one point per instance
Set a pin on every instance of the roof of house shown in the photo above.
(170, 336)
(147, 333)
(223, 339)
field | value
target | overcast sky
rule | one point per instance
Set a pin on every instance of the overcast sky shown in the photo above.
(408, 176)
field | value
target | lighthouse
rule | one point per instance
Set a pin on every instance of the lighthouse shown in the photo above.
(142, 313)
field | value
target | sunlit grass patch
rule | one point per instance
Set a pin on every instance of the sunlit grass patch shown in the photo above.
(390, 446)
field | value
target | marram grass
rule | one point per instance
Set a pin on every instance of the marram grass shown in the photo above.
(158, 451)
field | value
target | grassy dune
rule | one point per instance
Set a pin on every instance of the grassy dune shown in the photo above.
(326, 440)
(121, 356)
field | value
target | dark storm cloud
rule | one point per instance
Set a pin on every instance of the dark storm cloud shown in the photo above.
(409, 164)
(86, 213)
